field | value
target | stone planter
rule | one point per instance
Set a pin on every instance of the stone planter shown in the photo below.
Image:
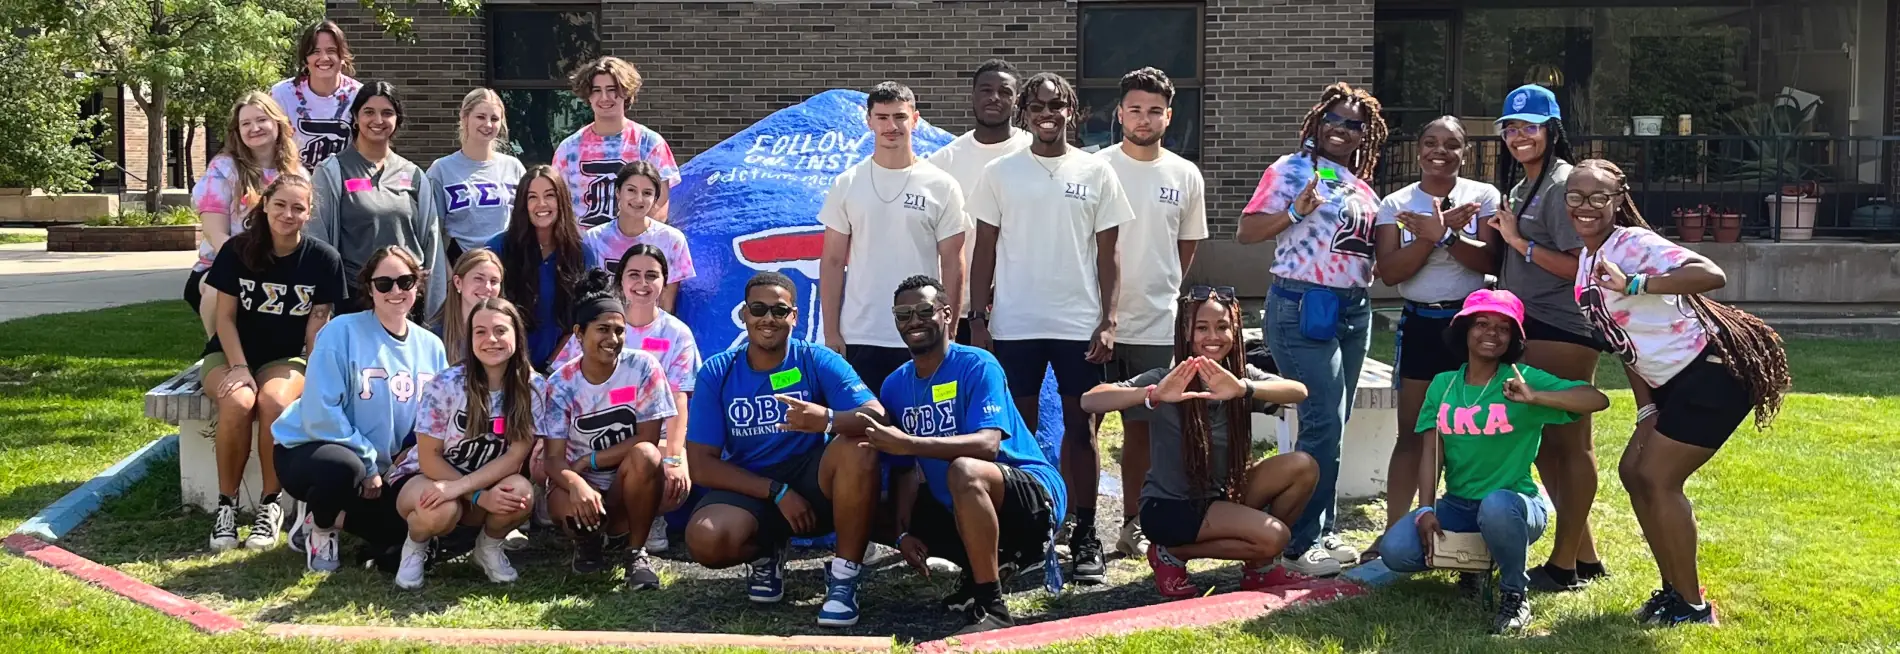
(83, 238)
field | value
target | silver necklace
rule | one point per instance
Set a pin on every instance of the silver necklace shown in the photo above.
(1060, 162)
(900, 190)
(1485, 390)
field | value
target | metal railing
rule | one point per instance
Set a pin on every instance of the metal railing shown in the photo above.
(1854, 181)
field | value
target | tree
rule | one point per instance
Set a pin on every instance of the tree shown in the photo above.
(46, 137)
(402, 27)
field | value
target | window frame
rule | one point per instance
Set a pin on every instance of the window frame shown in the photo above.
(1198, 82)
(490, 14)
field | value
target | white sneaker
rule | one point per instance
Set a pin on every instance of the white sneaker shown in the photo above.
(515, 541)
(1339, 550)
(414, 556)
(944, 567)
(656, 537)
(299, 528)
(1133, 543)
(489, 556)
(320, 549)
(270, 520)
(224, 533)
(542, 518)
(1314, 563)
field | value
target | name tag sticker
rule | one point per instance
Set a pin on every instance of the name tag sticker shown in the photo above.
(500, 425)
(785, 378)
(656, 344)
(356, 185)
(943, 392)
(623, 395)
(1329, 174)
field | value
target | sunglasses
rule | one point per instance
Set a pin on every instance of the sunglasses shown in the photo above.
(383, 284)
(1202, 293)
(1598, 200)
(759, 309)
(904, 312)
(1052, 105)
(1349, 124)
(1526, 131)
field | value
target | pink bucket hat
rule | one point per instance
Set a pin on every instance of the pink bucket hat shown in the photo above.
(1504, 303)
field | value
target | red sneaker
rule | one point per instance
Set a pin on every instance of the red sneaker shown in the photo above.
(1171, 578)
(1274, 576)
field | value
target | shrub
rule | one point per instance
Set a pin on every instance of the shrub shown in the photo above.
(141, 218)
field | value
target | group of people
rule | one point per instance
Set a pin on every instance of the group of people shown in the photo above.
(542, 382)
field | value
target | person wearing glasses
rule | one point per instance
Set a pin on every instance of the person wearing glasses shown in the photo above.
(774, 432)
(362, 389)
(1538, 267)
(1205, 497)
(1319, 209)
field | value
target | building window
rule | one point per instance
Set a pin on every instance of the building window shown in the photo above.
(531, 51)
(1117, 38)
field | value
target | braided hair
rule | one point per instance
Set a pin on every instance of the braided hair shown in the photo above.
(1196, 436)
(1751, 350)
(1366, 157)
(1556, 149)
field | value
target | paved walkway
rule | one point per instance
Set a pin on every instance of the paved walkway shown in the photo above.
(35, 282)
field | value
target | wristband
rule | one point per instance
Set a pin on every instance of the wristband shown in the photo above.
(1529, 247)
(900, 539)
(1293, 214)
(1428, 509)
(476, 498)
(778, 491)
(593, 463)
(1251, 391)
(831, 420)
(1636, 284)
(1148, 398)
(1446, 239)
(1646, 412)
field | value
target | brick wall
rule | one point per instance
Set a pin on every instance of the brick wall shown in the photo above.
(431, 75)
(132, 142)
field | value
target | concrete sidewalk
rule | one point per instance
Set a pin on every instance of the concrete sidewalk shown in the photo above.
(36, 282)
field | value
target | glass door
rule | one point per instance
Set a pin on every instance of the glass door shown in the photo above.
(1412, 67)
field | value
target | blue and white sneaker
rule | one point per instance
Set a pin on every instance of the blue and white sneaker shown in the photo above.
(300, 528)
(841, 598)
(765, 581)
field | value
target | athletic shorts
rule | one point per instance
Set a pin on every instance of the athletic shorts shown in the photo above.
(1024, 521)
(873, 363)
(1538, 330)
(963, 331)
(1132, 360)
(1173, 523)
(193, 294)
(801, 474)
(1422, 353)
(216, 360)
(1703, 404)
(1024, 362)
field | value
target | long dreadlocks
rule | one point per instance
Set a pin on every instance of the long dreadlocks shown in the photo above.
(1556, 149)
(1366, 157)
(1196, 437)
(1751, 350)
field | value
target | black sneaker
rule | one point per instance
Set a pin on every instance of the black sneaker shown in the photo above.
(1657, 600)
(588, 557)
(1514, 613)
(1088, 566)
(224, 532)
(986, 619)
(1588, 571)
(964, 600)
(1548, 578)
(619, 543)
(457, 542)
(640, 574)
(1678, 612)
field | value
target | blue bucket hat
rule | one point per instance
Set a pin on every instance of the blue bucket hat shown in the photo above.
(1532, 104)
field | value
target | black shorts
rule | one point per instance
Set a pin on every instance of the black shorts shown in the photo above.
(1703, 404)
(1422, 353)
(873, 363)
(963, 331)
(1024, 362)
(1024, 521)
(1132, 360)
(1538, 330)
(1173, 523)
(801, 474)
(452, 250)
(194, 295)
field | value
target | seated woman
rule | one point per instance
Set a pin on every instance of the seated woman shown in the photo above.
(1200, 425)
(278, 289)
(1489, 416)
(470, 470)
(357, 411)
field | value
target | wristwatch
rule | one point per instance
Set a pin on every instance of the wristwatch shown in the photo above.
(673, 461)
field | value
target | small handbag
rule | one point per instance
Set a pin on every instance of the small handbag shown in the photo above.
(1460, 550)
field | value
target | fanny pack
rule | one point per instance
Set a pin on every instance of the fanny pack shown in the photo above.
(1319, 311)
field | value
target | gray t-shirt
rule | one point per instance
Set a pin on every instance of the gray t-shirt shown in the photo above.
(361, 209)
(1547, 298)
(475, 196)
(1442, 279)
(1167, 468)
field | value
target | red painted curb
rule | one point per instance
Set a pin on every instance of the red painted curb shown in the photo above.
(204, 619)
(503, 637)
(1197, 612)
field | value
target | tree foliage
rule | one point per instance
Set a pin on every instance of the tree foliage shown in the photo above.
(46, 139)
(398, 24)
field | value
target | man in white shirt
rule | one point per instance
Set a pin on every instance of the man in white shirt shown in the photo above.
(1048, 219)
(888, 218)
(993, 106)
(1157, 247)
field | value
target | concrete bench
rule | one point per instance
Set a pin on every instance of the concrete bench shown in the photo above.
(1366, 446)
(182, 401)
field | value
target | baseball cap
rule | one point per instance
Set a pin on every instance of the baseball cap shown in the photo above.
(1503, 303)
(1532, 104)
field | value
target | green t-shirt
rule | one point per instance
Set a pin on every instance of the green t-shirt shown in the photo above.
(1490, 442)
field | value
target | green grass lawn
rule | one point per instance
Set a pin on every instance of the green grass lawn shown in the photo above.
(1798, 532)
(14, 237)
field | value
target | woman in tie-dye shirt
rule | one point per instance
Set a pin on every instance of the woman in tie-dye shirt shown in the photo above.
(1319, 210)
(257, 146)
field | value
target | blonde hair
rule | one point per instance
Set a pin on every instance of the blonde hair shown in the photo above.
(454, 316)
(250, 179)
(477, 97)
(623, 73)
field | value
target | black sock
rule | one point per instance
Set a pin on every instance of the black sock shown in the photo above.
(1085, 523)
(268, 499)
(987, 594)
(227, 500)
(1591, 569)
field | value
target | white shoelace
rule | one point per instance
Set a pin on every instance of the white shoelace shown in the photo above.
(226, 521)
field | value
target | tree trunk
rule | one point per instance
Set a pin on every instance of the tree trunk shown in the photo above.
(154, 148)
(191, 132)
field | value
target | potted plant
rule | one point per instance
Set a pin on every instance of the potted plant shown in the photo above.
(1691, 222)
(1792, 210)
(1728, 225)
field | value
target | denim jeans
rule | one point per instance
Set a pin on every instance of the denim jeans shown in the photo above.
(1509, 520)
(1330, 371)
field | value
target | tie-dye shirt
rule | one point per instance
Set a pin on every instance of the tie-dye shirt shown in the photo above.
(667, 338)
(1333, 246)
(443, 415)
(1657, 335)
(218, 192)
(594, 417)
(608, 241)
(321, 123)
(588, 162)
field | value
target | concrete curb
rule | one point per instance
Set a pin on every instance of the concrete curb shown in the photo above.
(1197, 612)
(632, 639)
(204, 619)
(59, 518)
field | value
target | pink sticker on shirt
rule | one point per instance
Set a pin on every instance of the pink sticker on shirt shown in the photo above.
(623, 395)
(356, 185)
(499, 424)
(403, 182)
(651, 344)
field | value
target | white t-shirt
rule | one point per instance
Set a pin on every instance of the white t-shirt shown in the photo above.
(895, 219)
(1442, 278)
(1657, 335)
(1170, 205)
(1047, 212)
(964, 158)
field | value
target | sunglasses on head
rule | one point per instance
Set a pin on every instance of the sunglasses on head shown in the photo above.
(909, 311)
(1203, 293)
(383, 284)
(1349, 124)
(759, 309)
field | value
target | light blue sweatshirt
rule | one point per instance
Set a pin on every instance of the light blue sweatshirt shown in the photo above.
(362, 388)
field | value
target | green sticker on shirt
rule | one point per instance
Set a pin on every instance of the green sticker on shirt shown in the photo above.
(1328, 174)
(785, 378)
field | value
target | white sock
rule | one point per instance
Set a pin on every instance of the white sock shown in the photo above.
(843, 569)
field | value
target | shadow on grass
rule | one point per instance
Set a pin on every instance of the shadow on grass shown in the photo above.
(1425, 614)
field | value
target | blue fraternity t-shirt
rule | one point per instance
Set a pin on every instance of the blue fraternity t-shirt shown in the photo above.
(545, 339)
(967, 393)
(733, 408)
